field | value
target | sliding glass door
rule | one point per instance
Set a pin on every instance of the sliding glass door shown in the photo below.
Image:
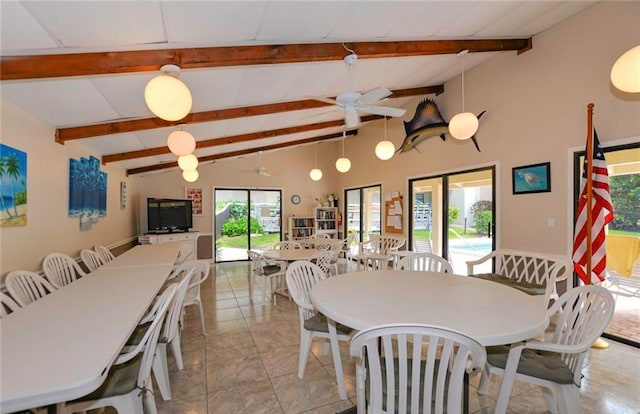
(245, 219)
(363, 215)
(452, 215)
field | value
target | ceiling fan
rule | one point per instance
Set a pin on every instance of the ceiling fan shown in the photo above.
(352, 102)
(261, 170)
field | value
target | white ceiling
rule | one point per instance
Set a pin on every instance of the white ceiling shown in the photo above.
(63, 27)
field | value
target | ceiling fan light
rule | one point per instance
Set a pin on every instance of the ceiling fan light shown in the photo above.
(190, 176)
(181, 142)
(187, 162)
(385, 150)
(343, 164)
(625, 73)
(463, 125)
(167, 96)
(315, 174)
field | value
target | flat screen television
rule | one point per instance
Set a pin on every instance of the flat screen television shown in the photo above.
(167, 215)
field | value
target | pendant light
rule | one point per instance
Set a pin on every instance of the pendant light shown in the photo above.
(181, 142)
(625, 73)
(385, 149)
(343, 164)
(190, 176)
(465, 124)
(167, 96)
(316, 173)
(187, 162)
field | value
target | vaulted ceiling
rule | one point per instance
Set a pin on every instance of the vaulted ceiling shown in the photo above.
(251, 66)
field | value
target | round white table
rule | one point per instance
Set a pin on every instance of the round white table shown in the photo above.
(491, 313)
(291, 255)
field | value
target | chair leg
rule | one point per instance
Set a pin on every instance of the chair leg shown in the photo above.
(176, 350)
(550, 400)
(305, 347)
(568, 399)
(264, 290)
(148, 401)
(337, 361)
(204, 330)
(483, 386)
(161, 371)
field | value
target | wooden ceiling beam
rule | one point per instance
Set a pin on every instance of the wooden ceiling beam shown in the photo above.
(120, 127)
(100, 63)
(232, 139)
(237, 153)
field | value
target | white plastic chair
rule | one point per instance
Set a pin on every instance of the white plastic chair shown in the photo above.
(91, 259)
(554, 364)
(193, 294)
(287, 245)
(61, 269)
(267, 272)
(128, 386)
(301, 277)
(105, 254)
(425, 262)
(625, 285)
(377, 251)
(326, 260)
(413, 368)
(7, 305)
(27, 287)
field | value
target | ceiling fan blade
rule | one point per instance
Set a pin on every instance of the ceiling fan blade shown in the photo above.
(375, 95)
(382, 110)
(325, 100)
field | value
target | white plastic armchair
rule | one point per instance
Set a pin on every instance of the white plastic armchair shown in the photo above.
(267, 272)
(91, 259)
(406, 368)
(201, 268)
(287, 245)
(105, 254)
(27, 287)
(7, 305)
(625, 285)
(378, 250)
(555, 365)
(530, 272)
(425, 262)
(61, 269)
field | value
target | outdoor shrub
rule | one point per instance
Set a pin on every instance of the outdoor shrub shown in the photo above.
(482, 215)
(454, 213)
(232, 228)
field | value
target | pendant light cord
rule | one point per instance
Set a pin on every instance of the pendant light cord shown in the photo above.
(462, 63)
(385, 128)
(316, 148)
(344, 134)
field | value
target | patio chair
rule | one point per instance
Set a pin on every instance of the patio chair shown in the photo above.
(622, 285)
(425, 262)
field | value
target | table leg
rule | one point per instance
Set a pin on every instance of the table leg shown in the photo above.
(465, 394)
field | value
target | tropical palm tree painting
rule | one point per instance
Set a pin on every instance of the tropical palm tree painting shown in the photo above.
(13, 187)
(87, 191)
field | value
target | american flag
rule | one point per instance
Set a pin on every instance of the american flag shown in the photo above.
(601, 213)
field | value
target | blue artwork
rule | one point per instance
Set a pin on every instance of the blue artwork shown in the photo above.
(87, 191)
(535, 178)
(13, 187)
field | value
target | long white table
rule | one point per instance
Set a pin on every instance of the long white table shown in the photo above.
(61, 347)
(146, 255)
(491, 313)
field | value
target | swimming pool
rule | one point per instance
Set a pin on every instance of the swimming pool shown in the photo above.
(476, 245)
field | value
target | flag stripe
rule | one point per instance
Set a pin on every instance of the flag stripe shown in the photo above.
(601, 214)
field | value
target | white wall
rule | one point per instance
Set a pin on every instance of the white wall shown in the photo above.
(49, 227)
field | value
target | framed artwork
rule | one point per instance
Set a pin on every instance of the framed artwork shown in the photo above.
(87, 191)
(195, 195)
(13, 187)
(534, 178)
(123, 195)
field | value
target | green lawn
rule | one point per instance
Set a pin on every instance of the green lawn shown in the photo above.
(240, 242)
(424, 234)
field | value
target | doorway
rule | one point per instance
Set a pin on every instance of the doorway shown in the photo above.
(245, 219)
(453, 215)
(363, 213)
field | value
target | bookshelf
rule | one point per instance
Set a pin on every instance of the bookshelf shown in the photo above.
(326, 219)
(301, 227)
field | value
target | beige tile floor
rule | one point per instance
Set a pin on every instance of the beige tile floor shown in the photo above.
(247, 363)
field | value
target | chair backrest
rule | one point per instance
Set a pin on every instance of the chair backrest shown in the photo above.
(201, 273)
(287, 245)
(105, 254)
(91, 259)
(422, 246)
(7, 305)
(174, 313)
(582, 313)
(61, 269)
(257, 259)
(325, 260)
(301, 278)
(26, 287)
(425, 262)
(387, 244)
(413, 368)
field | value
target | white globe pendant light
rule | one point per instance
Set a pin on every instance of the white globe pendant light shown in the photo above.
(343, 164)
(465, 124)
(187, 162)
(625, 73)
(316, 173)
(385, 149)
(167, 96)
(181, 142)
(190, 176)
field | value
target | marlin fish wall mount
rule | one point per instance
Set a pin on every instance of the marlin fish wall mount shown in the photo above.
(427, 122)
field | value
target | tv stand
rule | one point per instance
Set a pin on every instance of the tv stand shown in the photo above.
(187, 240)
